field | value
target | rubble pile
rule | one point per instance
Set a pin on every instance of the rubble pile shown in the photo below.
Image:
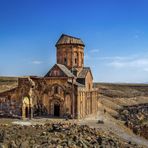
(58, 135)
(136, 118)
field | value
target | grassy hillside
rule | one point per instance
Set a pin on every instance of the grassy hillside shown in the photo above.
(115, 96)
(122, 90)
(7, 83)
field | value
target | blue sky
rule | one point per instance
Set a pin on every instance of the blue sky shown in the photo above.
(114, 31)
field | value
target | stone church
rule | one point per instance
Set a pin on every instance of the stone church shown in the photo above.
(66, 90)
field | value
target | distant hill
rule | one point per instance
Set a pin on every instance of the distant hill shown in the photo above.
(3, 78)
(121, 90)
(7, 83)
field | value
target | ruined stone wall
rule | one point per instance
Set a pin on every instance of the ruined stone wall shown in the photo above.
(11, 102)
(45, 93)
(42, 94)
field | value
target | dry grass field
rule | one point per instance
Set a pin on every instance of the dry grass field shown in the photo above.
(115, 96)
(7, 83)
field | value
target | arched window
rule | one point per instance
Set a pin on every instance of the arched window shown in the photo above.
(56, 89)
(75, 58)
(89, 86)
(81, 57)
(65, 61)
(64, 55)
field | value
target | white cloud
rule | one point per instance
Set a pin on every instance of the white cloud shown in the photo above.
(113, 58)
(94, 50)
(140, 62)
(117, 64)
(36, 62)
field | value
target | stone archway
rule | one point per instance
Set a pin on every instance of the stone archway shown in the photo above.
(56, 108)
(26, 112)
(26, 108)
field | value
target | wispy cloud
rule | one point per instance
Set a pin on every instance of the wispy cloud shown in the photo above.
(117, 64)
(94, 50)
(139, 62)
(114, 58)
(117, 57)
(37, 62)
(91, 53)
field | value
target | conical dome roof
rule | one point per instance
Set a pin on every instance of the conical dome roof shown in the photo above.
(66, 40)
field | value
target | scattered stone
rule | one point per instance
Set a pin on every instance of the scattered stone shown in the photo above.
(58, 135)
(100, 122)
(13, 144)
(136, 118)
(24, 144)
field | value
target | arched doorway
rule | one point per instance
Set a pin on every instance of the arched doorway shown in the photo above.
(56, 110)
(26, 112)
(26, 108)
